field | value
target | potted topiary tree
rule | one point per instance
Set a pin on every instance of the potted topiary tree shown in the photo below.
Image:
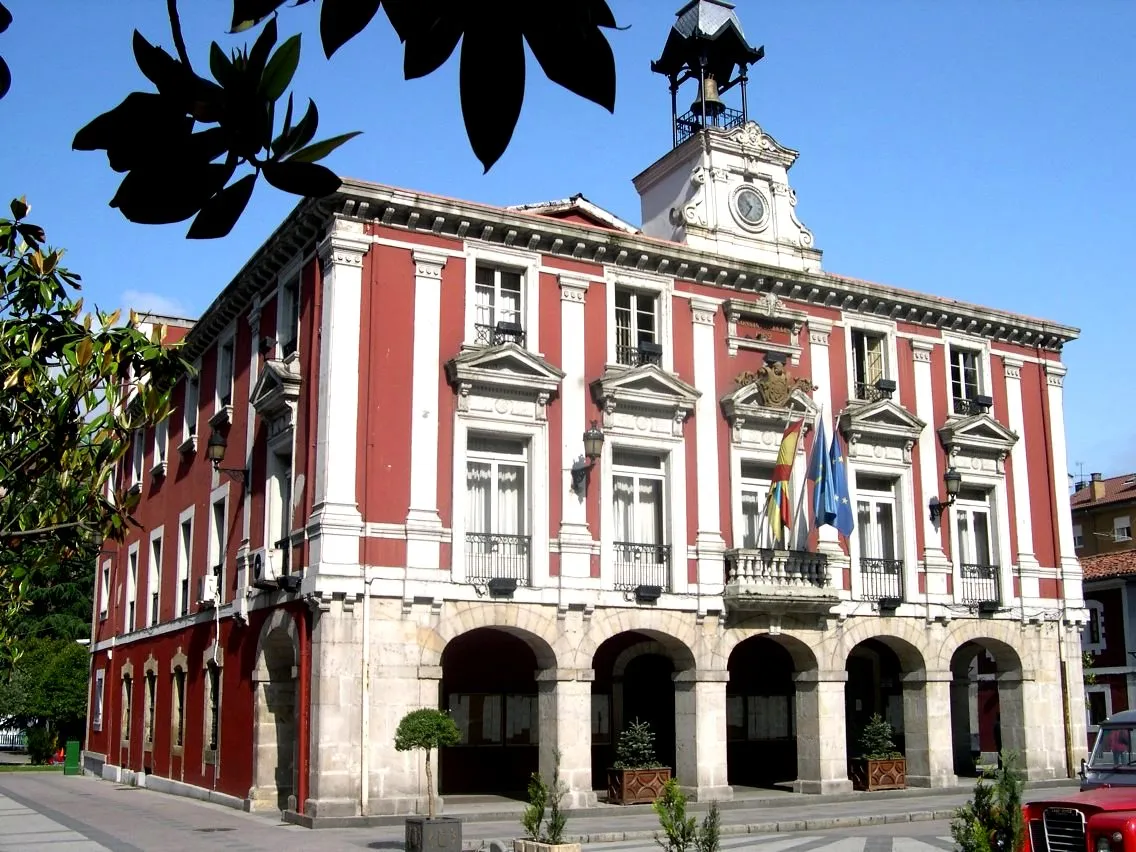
(428, 729)
(637, 776)
(541, 836)
(880, 765)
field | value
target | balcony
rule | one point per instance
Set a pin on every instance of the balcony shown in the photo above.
(689, 124)
(496, 335)
(979, 583)
(490, 556)
(875, 391)
(765, 580)
(646, 352)
(881, 579)
(641, 564)
(969, 406)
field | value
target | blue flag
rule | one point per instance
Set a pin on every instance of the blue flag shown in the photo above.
(845, 520)
(820, 472)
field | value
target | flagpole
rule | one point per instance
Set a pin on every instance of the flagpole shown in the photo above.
(804, 489)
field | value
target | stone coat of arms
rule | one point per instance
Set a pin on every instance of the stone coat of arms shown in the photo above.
(775, 384)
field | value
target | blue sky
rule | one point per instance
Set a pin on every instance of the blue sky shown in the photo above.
(980, 151)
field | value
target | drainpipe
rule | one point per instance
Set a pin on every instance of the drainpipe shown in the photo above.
(365, 699)
(304, 700)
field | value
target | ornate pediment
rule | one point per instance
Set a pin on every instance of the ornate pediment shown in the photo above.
(980, 439)
(276, 393)
(764, 324)
(883, 430)
(507, 372)
(746, 408)
(633, 398)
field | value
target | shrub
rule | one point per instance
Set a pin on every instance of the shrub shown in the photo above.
(543, 798)
(41, 744)
(636, 747)
(680, 832)
(992, 820)
(876, 740)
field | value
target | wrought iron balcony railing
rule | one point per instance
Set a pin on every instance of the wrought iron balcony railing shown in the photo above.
(768, 567)
(875, 391)
(979, 582)
(689, 124)
(502, 332)
(968, 406)
(881, 578)
(641, 564)
(497, 555)
(644, 353)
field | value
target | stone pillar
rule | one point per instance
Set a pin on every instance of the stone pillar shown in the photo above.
(575, 537)
(423, 524)
(960, 723)
(708, 540)
(700, 734)
(1032, 722)
(564, 702)
(822, 749)
(1023, 514)
(935, 562)
(828, 539)
(927, 729)
(336, 523)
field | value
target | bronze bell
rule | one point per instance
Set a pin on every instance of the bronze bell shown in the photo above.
(714, 105)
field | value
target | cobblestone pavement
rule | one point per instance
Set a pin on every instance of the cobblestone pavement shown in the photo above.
(84, 814)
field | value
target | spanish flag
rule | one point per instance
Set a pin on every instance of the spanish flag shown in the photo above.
(778, 508)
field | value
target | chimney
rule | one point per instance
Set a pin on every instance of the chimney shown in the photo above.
(1098, 487)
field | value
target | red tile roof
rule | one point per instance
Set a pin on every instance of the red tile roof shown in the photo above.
(1105, 565)
(1117, 489)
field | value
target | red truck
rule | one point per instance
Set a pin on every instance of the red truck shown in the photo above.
(1099, 820)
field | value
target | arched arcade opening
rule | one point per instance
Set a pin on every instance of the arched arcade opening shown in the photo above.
(761, 729)
(986, 705)
(274, 715)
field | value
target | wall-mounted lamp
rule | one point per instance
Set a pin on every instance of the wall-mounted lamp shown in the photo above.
(215, 452)
(952, 479)
(593, 447)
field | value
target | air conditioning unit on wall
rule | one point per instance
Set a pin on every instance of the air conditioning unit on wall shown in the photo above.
(261, 571)
(207, 590)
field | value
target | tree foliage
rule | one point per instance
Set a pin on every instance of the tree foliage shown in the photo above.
(545, 797)
(46, 690)
(680, 832)
(426, 729)
(75, 387)
(992, 821)
(196, 147)
(636, 747)
(876, 740)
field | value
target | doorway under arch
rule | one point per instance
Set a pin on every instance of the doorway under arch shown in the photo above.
(986, 716)
(875, 685)
(761, 730)
(274, 719)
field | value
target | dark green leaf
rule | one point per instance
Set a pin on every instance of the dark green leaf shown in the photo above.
(280, 69)
(161, 195)
(279, 143)
(559, 50)
(5, 77)
(492, 80)
(139, 131)
(321, 149)
(410, 17)
(261, 48)
(159, 67)
(428, 50)
(304, 131)
(342, 20)
(5, 18)
(222, 211)
(249, 13)
(206, 146)
(219, 65)
(310, 180)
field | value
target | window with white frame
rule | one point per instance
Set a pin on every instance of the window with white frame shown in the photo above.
(1078, 537)
(137, 459)
(131, 589)
(755, 482)
(977, 558)
(1092, 634)
(218, 524)
(1098, 705)
(642, 555)
(637, 339)
(499, 295)
(154, 581)
(288, 327)
(497, 535)
(212, 710)
(184, 559)
(278, 505)
(225, 373)
(127, 706)
(97, 700)
(104, 591)
(189, 411)
(1122, 528)
(966, 377)
(151, 702)
(179, 707)
(869, 363)
(161, 446)
(877, 529)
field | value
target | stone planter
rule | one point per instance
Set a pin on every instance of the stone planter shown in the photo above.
(889, 774)
(635, 786)
(442, 834)
(537, 846)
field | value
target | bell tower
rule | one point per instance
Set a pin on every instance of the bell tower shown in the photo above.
(724, 185)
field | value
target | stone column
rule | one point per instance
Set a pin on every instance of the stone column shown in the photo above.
(423, 524)
(564, 702)
(828, 539)
(1032, 722)
(935, 562)
(927, 729)
(822, 749)
(708, 540)
(960, 722)
(1023, 515)
(336, 523)
(700, 734)
(575, 537)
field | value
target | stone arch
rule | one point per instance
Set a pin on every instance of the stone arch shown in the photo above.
(535, 629)
(669, 629)
(274, 713)
(906, 640)
(804, 658)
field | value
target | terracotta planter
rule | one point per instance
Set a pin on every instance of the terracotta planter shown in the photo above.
(888, 774)
(635, 786)
(537, 846)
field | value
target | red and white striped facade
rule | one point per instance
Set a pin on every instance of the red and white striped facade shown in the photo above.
(352, 373)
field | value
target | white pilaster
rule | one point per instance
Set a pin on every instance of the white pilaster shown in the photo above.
(934, 559)
(1023, 515)
(336, 523)
(423, 524)
(575, 537)
(828, 539)
(708, 541)
(1067, 555)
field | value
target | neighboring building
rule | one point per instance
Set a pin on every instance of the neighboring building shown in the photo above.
(1109, 635)
(1103, 512)
(405, 513)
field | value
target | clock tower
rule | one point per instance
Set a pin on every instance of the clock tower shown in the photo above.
(724, 186)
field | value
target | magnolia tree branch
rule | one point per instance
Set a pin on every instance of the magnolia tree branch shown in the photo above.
(175, 30)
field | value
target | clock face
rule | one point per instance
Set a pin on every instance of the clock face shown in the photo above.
(750, 205)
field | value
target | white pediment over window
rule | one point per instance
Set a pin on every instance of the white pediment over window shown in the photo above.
(276, 393)
(505, 380)
(748, 414)
(978, 442)
(644, 399)
(880, 431)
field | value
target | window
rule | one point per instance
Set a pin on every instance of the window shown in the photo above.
(876, 508)
(497, 535)
(760, 717)
(976, 557)
(189, 414)
(500, 308)
(964, 380)
(1098, 705)
(138, 459)
(185, 555)
(213, 704)
(131, 590)
(278, 505)
(1093, 633)
(151, 699)
(225, 373)
(754, 494)
(637, 327)
(127, 696)
(868, 363)
(97, 700)
(161, 446)
(154, 581)
(495, 720)
(217, 529)
(104, 591)
(1122, 529)
(288, 328)
(601, 719)
(1078, 537)
(642, 557)
(179, 707)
